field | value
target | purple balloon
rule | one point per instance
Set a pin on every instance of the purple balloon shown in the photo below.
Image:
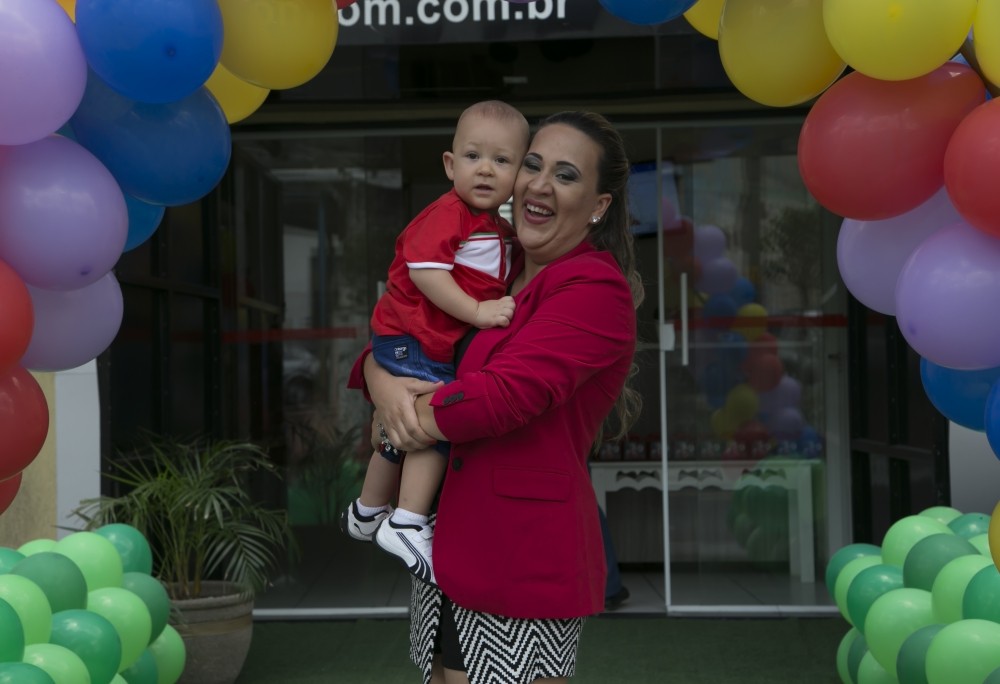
(43, 72)
(787, 394)
(871, 254)
(718, 276)
(63, 220)
(946, 299)
(73, 326)
(709, 243)
(785, 423)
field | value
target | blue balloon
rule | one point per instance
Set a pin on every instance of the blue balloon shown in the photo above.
(959, 394)
(143, 220)
(992, 418)
(719, 306)
(153, 50)
(647, 12)
(734, 347)
(717, 378)
(743, 292)
(167, 154)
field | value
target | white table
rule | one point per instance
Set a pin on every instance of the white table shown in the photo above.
(794, 475)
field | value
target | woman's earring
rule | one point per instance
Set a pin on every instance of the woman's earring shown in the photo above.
(595, 219)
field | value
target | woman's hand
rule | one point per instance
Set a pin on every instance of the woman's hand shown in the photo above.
(393, 398)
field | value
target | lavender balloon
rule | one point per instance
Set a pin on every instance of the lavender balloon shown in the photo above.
(787, 394)
(871, 254)
(709, 243)
(73, 326)
(63, 221)
(946, 299)
(718, 276)
(43, 72)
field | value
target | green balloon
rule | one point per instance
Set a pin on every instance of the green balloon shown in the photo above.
(154, 595)
(847, 576)
(911, 662)
(842, 652)
(129, 615)
(36, 546)
(64, 666)
(170, 654)
(97, 558)
(842, 557)
(11, 634)
(870, 672)
(964, 651)
(892, 618)
(950, 586)
(142, 671)
(867, 586)
(93, 638)
(906, 532)
(929, 555)
(982, 595)
(993, 678)
(970, 524)
(29, 602)
(57, 576)
(23, 673)
(856, 652)
(132, 546)
(944, 514)
(982, 543)
(9, 558)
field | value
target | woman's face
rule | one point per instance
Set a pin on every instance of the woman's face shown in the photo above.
(555, 194)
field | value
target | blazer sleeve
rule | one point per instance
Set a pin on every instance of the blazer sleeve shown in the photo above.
(585, 323)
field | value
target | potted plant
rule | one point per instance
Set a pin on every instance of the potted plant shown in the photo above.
(213, 543)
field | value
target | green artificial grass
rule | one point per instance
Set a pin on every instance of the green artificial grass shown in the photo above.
(614, 649)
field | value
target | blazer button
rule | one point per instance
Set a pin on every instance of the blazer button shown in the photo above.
(456, 463)
(452, 398)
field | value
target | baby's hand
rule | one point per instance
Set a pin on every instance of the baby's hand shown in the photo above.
(495, 313)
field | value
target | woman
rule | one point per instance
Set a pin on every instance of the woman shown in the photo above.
(517, 542)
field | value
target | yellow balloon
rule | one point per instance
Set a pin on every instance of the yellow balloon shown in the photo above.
(895, 40)
(994, 536)
(722, 424)
(776, 51)
(278, 44)
(986, 38)
(70, 7)
(704, 16)
(741, 404)
(238, 98)
(751, 329)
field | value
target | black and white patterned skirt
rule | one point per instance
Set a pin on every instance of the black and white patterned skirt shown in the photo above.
(496, 649)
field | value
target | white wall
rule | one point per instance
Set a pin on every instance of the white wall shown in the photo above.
(975, 471)
(77, 425)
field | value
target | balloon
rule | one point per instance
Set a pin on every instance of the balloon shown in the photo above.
(929, 555)
(881, 40)
(238, 98)
(982, 543)
(842, 557)
(129, 615)
(143, 220)
(151, 51)
(16, 317)
(950, 585)
(959, 394)
(60, 663)
(992, 418)
(763, 371)
(717, 276)
(986, 39)
(867, 586)
(981, 599)
(847, 575)
(945, 295)
(785, 423)
(23, 673)
(92, 638)
(871, 149)
(73, 326)
(29, 602)
(753, 321)
(142, 671)
(154, 595)
(704, 16)
(57, 576)
(131, 544)
(776, 51)
(741, 403)
(709, 243)
(788, 394)
(24, 420)
(903, 534)
(96, 557)
(891, 619)
(743, 292)
(719, 306)
(870, 672)
(8, 491)
(969, 525)
(168, 154)
(63, 220)
(967, 166)
(647, 12)
(37, 546)
(42, 70)
(857, 651)
(944, 514)
(912, 659)
(8, 559)
(871, 254)
(964, 651)
(12, 644)
(170, 654)
(843, 649)
(278, 45)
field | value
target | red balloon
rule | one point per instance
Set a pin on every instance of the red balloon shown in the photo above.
(17, 317)
(765, 343)
(872, 149)
(971, 167)
(24, 420)
(8, 490)
(763, 371)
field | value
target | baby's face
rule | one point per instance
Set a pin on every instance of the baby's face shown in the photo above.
(484, 161)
